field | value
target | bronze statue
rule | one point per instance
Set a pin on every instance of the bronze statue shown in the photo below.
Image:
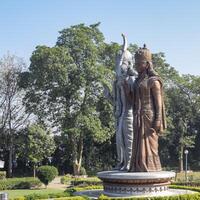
(149, 114)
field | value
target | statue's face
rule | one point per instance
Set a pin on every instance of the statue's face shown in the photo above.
(141, 66)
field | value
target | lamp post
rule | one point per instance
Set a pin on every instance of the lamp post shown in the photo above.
(186, 163)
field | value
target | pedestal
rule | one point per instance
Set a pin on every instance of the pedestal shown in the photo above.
(118, 183)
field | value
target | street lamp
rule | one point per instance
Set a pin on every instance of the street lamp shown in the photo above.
(186, 163)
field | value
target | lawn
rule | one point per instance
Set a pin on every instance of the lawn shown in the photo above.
(192, 176)
(20, 193)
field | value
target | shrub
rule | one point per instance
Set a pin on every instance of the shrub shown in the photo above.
(46, 196)
(19, 183)
(86, 182)
(19, 198)
(71, 198)
(46, 174)
(79, 189)
(36, 196)
(2, 175)
(66, 179)
(83, 171)
(81, 181)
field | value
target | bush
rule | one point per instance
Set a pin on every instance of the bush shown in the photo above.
(69, 180)
(71, 198)
(83, 171)
(46, 196)
(19, 198)
(66, 179)
(86, 182)
(46, 174)
(2, 175)
(36, 196)
(19, 183)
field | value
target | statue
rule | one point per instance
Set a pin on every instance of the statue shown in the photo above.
(145, 96)
(149, 114)
(123, 107)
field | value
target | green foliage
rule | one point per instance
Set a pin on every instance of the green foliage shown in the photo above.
(45, 196)
(81, 181)
(79, 188)
(36, 196)
(39, 143)
(71, 198)
(19, 198)
(19, 183)
(2, 175)
(83, 171)
(46, 174)
(192, 176)
(64, 85)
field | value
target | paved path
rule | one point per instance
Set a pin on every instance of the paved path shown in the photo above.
(56, 184)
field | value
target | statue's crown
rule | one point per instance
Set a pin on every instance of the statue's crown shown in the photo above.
(143, 54)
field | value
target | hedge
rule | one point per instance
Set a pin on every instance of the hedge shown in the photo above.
(2, 175)
(178, 197)
(71, 198)
(80, 181)
(35, 196)
(19, 183)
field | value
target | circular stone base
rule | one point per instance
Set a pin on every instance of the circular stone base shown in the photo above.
(94, 194)
(118, 183)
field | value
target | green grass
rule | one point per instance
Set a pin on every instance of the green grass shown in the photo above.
(20, 193)
(192, 176)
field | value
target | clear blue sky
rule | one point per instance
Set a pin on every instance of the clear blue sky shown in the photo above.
(170, 26)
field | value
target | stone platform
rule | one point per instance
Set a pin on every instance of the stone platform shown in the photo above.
(119, 183)
(94, 194)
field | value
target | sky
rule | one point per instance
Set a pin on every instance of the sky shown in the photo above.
(169, 26)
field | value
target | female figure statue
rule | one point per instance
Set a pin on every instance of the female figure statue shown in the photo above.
(149, 116)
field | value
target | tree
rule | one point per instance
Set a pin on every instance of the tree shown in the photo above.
(36, 145)
(64, 84)
(46, 174)
(12, 111)
(182, 106)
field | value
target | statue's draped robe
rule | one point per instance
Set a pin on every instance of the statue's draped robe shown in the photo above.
(149, 106)
(124, 124)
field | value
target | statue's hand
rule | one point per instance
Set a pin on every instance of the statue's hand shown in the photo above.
(157, 125)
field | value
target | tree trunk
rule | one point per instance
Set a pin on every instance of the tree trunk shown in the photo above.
(10, 149)
(10, 162)
(34, 170)
(77, 155)
(181, 159)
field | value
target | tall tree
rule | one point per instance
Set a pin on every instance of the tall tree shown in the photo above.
(64, 84)
(182, 97)
(12, 111)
